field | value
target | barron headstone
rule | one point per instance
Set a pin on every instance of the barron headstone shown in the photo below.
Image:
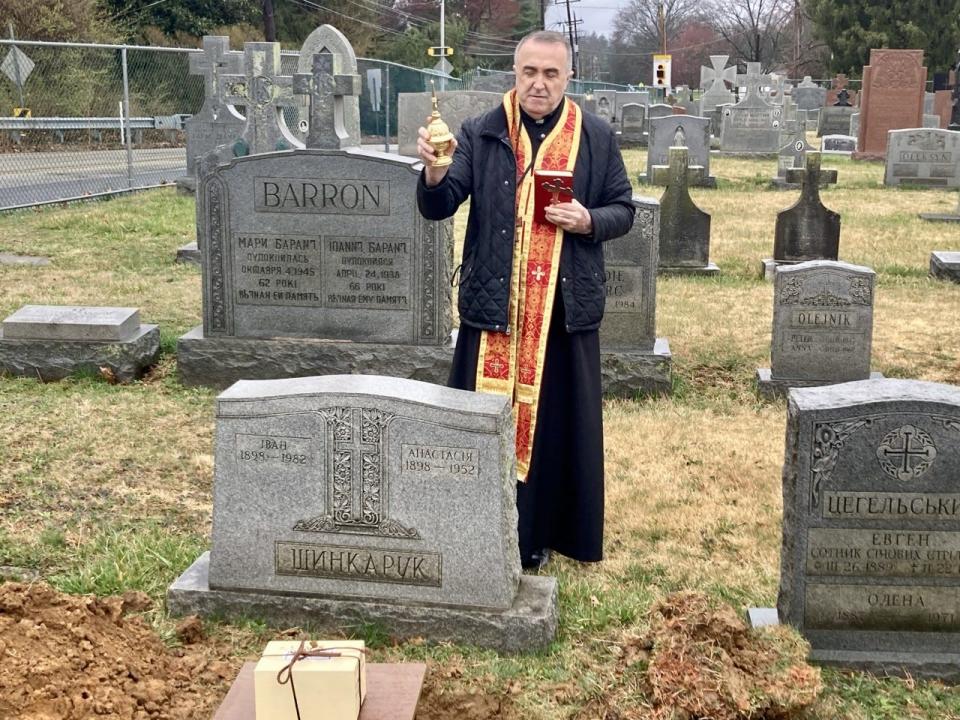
(892, 98)
(869, 569)
(822, 326)
(455, 106)
(51, 342)
(924, 157)
(680, 131)
(347, 497)
(684, 227)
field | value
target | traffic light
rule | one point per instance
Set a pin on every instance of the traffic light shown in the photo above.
(440, 51)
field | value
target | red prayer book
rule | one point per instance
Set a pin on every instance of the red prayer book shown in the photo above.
(549, 188)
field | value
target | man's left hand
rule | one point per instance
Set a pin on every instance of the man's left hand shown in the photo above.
(571, 216)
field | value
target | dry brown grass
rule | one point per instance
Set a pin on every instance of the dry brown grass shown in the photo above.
(693, 481)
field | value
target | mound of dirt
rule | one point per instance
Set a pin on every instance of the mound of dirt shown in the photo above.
(704, 662)
(65, 657)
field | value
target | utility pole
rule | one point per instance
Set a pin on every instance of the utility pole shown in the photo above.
(543, 14)
(571, 25)
(578, 72)
(269, 26)
(798, 31)
(662, 28)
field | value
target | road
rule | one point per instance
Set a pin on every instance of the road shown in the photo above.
(33, 177)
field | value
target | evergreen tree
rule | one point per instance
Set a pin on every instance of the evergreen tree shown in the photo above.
(850, 28)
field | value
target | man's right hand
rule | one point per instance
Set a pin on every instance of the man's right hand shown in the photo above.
(432, 175)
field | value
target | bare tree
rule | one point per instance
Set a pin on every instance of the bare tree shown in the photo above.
(756, 30)
(636, 34)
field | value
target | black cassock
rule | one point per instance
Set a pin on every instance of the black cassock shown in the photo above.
(561, 503)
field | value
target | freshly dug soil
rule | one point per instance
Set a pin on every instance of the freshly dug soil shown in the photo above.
(65, 657)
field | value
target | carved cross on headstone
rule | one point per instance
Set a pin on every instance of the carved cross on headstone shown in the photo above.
(812, 177)
(215, 60)
(717, 74)
(265, 93)
(327, 88)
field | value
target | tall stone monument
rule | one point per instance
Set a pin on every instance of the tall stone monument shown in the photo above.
(752, 126)
(327, 39)
(713, 82)
(346, 499)
(317, 260)
(891, 99)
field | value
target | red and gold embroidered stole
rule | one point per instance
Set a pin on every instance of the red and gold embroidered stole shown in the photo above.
(511, 362)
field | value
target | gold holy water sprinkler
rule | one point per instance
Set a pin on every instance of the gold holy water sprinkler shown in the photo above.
(440, 135)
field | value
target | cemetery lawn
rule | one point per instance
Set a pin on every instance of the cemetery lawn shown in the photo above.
(106, 488)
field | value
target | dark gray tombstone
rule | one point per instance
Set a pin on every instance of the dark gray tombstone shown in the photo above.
(349, 498)
(51, 342)
(606, 104)
(923, 157)
(835, 120)
(680, 131)
(869, 561)
(633, 359)
(684, 228)
(822, 326)
(752, 126)
(806, 230)
(633, 118)
(808, 95)
(838, 145)
(455, 107)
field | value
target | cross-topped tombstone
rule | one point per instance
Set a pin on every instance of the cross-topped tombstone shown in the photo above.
(327, 90)
(752, 126)
(264, 92)
(217, 122)
(327, 38)
(807, 230)
(836, 85)
(684, 228)
(713, 82)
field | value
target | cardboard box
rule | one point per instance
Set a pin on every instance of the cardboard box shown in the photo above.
(327, 688)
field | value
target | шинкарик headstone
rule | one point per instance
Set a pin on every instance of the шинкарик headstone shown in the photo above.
(354, 498)
(822, 326)
(680, 131)
(923, 156)
(870, 559)
(633, 359)
(806, 230)
(51, 342)
(684, 227)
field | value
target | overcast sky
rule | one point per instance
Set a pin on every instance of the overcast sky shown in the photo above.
(597, 15)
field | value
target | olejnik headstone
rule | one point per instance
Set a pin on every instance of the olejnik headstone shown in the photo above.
(870, 562)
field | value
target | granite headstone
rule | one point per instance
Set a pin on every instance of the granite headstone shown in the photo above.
(925, 157)
(632, 124)
(713, 82)
(217, 122)
(870, 561)
(684, 227)
(944, 264)
(327, 39)
(822, 326)
(892, 98)
(835, 120)
(808, 95)
(353, 496)
(455, 107)
(838, 145)
(681, 131)
(752, 126)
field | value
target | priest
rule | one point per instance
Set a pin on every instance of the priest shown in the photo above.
(532, 286)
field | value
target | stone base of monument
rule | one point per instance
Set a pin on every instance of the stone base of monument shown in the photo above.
(529, 625)
(628, 373)
(768, 268)
(708, 269)
(218, 362)
(945, 265)
(52, 342)
(945, 666)
(940, 217)
(709, 183)
(771, 387)
(189, 253)
(187, 185)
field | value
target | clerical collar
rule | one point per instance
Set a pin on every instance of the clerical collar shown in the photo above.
(548, 120)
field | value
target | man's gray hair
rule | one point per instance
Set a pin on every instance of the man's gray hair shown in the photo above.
(546, 36)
